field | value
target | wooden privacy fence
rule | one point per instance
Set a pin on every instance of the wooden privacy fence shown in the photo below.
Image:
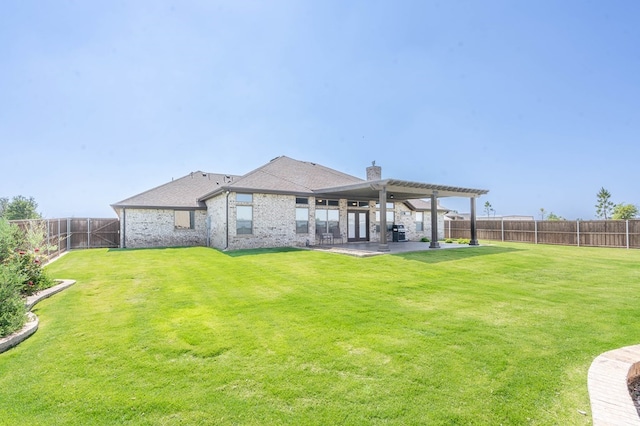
(594, 233)
(75, 233)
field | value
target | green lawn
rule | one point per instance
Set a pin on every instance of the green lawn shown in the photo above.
(491, 335)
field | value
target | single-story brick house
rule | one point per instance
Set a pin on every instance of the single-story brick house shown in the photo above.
(285, 202)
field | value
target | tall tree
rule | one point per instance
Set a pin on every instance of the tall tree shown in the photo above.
(604, 205)
(624, 211)
(488, 208)
(21, 208)
(3, 205)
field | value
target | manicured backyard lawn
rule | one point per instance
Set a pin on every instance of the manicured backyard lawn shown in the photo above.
(492, 335)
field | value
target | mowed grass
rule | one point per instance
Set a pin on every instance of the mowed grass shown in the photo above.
(499, 334)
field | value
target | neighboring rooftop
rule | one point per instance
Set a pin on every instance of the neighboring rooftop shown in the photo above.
(467, 216)
(419, 205)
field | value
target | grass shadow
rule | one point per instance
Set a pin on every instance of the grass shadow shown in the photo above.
(252, 252)
(118, 249)
(447, 255)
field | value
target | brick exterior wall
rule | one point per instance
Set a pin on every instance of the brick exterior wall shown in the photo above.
(407, 217)
(274, 222)
(216, 211)
(155, 228)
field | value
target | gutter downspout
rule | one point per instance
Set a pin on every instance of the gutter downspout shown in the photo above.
(124, 227)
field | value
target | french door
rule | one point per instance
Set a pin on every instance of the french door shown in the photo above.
(357, 225)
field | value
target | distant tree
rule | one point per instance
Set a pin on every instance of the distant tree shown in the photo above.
(604, 205)
(542, 213)
(3, 205)
(553, 216)
(20, 208)
(624, 211)
(488, 208)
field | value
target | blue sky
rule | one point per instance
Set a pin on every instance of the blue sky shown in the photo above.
(536, 101)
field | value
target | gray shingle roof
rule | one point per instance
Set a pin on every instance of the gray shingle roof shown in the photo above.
(284, 174)
(184, 192)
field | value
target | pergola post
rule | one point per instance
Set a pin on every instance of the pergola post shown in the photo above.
(474, 232)
(383, 245)
(434, 221)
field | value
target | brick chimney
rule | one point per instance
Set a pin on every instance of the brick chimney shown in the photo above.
(374, 172)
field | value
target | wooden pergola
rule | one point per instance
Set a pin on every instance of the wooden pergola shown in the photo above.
(386, 190)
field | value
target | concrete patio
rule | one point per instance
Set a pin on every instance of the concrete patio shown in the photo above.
(364, 249)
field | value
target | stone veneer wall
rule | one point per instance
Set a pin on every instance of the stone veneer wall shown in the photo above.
(155, 228)
(216, 208)
(407, 217)
(274, 223)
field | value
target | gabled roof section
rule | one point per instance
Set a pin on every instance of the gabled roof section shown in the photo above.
(184, 192)
(286, 175)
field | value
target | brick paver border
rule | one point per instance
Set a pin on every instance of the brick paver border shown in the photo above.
(611, 403)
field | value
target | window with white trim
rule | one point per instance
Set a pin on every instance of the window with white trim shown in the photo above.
(419, 221)
(184, 219)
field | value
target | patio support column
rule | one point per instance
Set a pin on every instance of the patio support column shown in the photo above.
(434, 221)
(383, 245)
(474, 232)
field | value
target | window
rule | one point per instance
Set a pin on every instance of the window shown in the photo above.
(302, 220)
(391, 217)
(389, 206)
(352, 203)
(244, 198)
(327, 221)
(323, 202)
(300, 200)
(184, 219)
(419, 221)
(244, 220)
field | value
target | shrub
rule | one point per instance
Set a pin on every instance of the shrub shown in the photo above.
(34, 278)
(29, 256)
(463, 241)
(425, 240)
(12, 307)
(9, 238)
(21, 272)
(448, 240)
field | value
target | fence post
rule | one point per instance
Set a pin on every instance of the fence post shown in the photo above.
(578, 230)
(627, 226)
(58, 237)
(535, 231)
(502, 228)
(48, 237)
(88, 232)
(68, 234)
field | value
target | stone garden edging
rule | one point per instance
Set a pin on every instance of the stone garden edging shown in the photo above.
(32, 323)
(611, 402)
